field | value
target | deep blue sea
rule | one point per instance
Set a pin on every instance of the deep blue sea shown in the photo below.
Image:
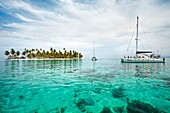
(76, 86)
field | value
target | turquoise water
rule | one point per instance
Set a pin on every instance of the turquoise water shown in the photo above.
(77, 86)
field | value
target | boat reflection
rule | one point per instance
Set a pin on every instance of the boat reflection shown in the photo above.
(144, 69)
(94, 67)
(71, 66)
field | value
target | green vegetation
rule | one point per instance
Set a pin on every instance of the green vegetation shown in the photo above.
(42, 54)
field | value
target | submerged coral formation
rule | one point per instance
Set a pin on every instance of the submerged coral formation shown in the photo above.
(119, 109)
(57, 110)
(81, 103)
(137, 106)
(21, 97)
(118, 92)
(106, 110)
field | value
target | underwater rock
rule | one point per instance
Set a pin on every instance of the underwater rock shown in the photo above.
(97, 100)
(75, 95)
(118, 92)
(106, 110)
(63, 109)
(140, 107)
(35, 93)
(97, 90)
(168, 99)
(119, 109)
(81, 103)
(21, 97)
(77, 90)
(89, 101)
(84, 102)
(83, 110)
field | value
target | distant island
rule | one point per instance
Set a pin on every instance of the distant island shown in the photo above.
(42, 54)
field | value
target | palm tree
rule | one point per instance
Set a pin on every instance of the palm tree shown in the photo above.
(38, 54)
(27, 51)
(75, 54)
(70, 54)
(52, 52)
(65, 53)
(13, 53)
(51, 49)
(56, 55)
(43, 54)
(80, 55)
(33, 50)
(28, 55)
(47, 54)
(18, 53)
(24, 53)
(7, 53)
(33, 55)
(60, 54)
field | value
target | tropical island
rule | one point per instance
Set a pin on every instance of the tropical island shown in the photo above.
(42, 54)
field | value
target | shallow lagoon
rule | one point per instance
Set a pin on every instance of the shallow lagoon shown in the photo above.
(75, 86)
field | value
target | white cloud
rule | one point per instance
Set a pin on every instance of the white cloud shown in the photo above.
(75, 25)
(25, 18)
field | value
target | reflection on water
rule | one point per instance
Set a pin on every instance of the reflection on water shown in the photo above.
(94, 64)
(144, 69)
(65, 66)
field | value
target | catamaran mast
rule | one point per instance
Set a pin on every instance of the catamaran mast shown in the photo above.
(137, 35)
(93, 49)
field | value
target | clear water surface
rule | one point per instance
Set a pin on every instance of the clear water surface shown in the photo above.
(75, 86)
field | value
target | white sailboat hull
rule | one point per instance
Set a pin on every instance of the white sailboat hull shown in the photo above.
(143, 60)
(94, 59)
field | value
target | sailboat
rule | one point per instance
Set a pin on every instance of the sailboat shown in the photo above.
(94, 58)
(142, 56)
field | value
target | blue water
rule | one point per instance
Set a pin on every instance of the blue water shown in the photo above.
(75, 86)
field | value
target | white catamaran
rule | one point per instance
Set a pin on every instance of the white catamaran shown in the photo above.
(142, 56)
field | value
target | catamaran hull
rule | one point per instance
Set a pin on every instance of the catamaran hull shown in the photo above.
(143, 60)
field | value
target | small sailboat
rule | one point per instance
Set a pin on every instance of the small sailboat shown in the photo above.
(142, 56)
(94, 58)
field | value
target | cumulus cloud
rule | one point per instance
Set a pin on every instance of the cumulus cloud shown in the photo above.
(75, 25)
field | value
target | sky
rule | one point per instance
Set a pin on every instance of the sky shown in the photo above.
(75, 24)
